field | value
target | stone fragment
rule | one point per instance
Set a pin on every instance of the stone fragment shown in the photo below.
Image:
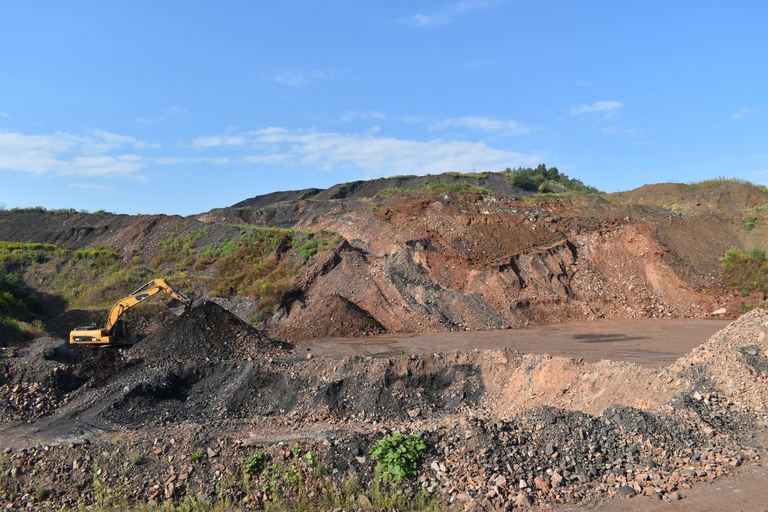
(541, 484)
(522, 499)
(626, 490)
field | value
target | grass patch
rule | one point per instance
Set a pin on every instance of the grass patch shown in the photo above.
(18, 254)
(261, 315)
(262, 263)
(749, 223)
(180, 249)
(721, 181)
(745, 272)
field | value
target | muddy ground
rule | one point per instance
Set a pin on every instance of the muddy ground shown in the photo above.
(177, 415)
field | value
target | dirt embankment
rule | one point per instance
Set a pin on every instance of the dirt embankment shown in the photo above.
(459, 261)
(504, 429)
(439, 264)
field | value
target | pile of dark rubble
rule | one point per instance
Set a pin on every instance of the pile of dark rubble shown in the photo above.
(206, 333)
(27, 400)
(553, 456)
(185, 398)
(542, 458)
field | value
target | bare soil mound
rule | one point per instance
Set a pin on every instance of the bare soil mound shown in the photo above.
(726, 196)
(333, 316)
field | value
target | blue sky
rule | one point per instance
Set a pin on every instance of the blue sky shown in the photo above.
(180, 107)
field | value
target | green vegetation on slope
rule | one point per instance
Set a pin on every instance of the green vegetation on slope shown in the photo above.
(745, 272)
(544, 180)
(259, 262)
(722, 181)
(21, 310)
(540, 179)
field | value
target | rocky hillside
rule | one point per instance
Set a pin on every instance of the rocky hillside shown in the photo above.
(407, 254)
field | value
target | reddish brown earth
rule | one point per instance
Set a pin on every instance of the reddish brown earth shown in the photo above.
(455, 262)
(553, 353)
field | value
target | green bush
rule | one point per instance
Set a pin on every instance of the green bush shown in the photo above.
(397, 456)
(536, 179)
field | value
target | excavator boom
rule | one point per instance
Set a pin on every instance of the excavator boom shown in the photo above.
(93, 335)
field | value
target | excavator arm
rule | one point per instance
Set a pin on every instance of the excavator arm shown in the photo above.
(101, 336)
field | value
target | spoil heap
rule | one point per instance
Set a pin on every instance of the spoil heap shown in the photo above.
(205, 333)
(504, 429)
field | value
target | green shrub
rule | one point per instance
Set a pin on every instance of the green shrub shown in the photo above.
(197, 456)
(535, 180)
(397, 456)
(255, 463)
(749, 223)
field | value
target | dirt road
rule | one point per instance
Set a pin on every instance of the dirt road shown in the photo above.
(652, 343)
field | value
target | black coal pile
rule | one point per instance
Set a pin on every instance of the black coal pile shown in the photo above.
(205, 333)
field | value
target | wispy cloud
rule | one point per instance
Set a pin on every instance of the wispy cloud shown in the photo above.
(172, 112)
(741, 114)
(296, 78)
(98, 153)
(5, 115)
(484, 124)
(371, 154)
(599, 107)
(216, 141)
(365, 115)
(448, 13)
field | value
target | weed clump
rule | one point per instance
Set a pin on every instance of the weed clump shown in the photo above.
(398, 456)
(745, 272)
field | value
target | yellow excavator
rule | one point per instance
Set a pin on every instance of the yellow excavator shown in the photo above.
(93, 335)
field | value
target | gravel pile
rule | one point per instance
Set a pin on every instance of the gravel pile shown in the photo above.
(211, 389)
(205, 333)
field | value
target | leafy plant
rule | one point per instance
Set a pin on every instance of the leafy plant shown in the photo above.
(255, 463)
(397, 456)
(261, 315)
(197, 456)
(749, 223)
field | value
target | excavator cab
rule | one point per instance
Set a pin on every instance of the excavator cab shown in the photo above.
(112, 330)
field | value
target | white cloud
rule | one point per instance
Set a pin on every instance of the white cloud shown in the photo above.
(448, 12)
(365, 115)
(741, 114)
(218, 141)
(5, 115)
(374, 155)
(484, 124)
(605, 107)
(223, 160)
(296, 79)
(100, 153)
